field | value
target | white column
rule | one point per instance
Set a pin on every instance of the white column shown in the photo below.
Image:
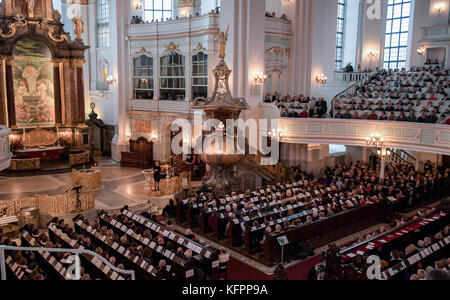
(120, 9)
(382, 166)
(246, 46)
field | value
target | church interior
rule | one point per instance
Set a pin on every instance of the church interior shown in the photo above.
(208, 140)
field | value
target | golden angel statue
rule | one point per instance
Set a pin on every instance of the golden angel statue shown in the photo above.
(223, 38)
(79, 27)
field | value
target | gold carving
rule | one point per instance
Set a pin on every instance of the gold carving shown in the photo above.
(79, 27)
(40, 138)
(143, 51)
(172, 48)
(19, 21)
(278, 51)
(222, 38)
(199, 48)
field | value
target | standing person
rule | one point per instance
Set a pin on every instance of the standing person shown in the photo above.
(157, 175)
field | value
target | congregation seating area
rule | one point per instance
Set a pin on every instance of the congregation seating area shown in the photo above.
(311, 212)
(127, 241)
(413, 251)
(419, 95)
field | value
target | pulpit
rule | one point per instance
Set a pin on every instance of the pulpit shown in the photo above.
(140, 155)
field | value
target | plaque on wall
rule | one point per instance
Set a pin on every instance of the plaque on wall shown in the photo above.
(142, 126)
(186, 3)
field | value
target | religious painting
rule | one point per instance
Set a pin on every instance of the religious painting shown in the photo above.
(142, 126)
(33, 84)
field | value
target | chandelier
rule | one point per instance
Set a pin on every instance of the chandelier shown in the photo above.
(375, 140)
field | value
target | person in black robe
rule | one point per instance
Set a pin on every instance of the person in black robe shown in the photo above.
(157, 175)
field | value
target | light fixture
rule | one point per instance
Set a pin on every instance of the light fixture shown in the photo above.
(421, 51)
(321, 79)
(260, 78)
(373, 53)
(375, 140)
(111, 80)
(154, 136)
(128, 135)
(439, 7)
(276, 133)
(138, 5)
(384, 152)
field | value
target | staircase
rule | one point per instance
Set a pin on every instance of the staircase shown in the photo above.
(276, 173)
(402, 157)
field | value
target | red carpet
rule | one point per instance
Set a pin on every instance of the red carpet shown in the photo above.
(240, 271)
(301, 271)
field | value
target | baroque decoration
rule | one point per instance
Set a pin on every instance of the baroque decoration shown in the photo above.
(222, 106)
(36, 47)
(172, 48)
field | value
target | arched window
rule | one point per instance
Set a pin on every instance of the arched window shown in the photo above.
(200, 75)
(143, 87)
(397, 34)
(173, 77)
(155, 10)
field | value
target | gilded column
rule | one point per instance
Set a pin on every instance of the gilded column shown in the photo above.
(11, 106)
(58, 99)
(3, 113)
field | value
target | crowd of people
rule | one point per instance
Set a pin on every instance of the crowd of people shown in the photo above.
(350, 186)
(299, 106)
(137, 20)
(419, 95)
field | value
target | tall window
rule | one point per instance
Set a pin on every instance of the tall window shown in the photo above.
(199, 75)
(102, 24)
(57, 5)
(397, 34)
(157, 9)
(143, 87)
(340, 34)
(173, 78)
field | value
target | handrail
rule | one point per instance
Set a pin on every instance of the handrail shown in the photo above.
(352, 86)
(4, 248)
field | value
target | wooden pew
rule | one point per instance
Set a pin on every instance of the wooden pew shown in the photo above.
(184, 268)
(209, 257)
(53, 267)
(324, 231)
(144, 271)
(94, 265)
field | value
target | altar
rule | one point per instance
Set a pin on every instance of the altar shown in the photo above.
(44, 153)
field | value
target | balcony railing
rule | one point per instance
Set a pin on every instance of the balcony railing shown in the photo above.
(5, 154)
(350, 76)
(398, 135)
(164, 106)
(435, 32)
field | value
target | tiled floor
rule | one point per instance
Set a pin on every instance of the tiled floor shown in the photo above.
(121, 186)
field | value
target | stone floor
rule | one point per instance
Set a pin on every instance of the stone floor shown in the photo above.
(121, 186)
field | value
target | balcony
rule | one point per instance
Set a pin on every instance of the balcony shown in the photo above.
(160, 106)
(435, 33)
(399, 135)
(5, 154)
(175, 28)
